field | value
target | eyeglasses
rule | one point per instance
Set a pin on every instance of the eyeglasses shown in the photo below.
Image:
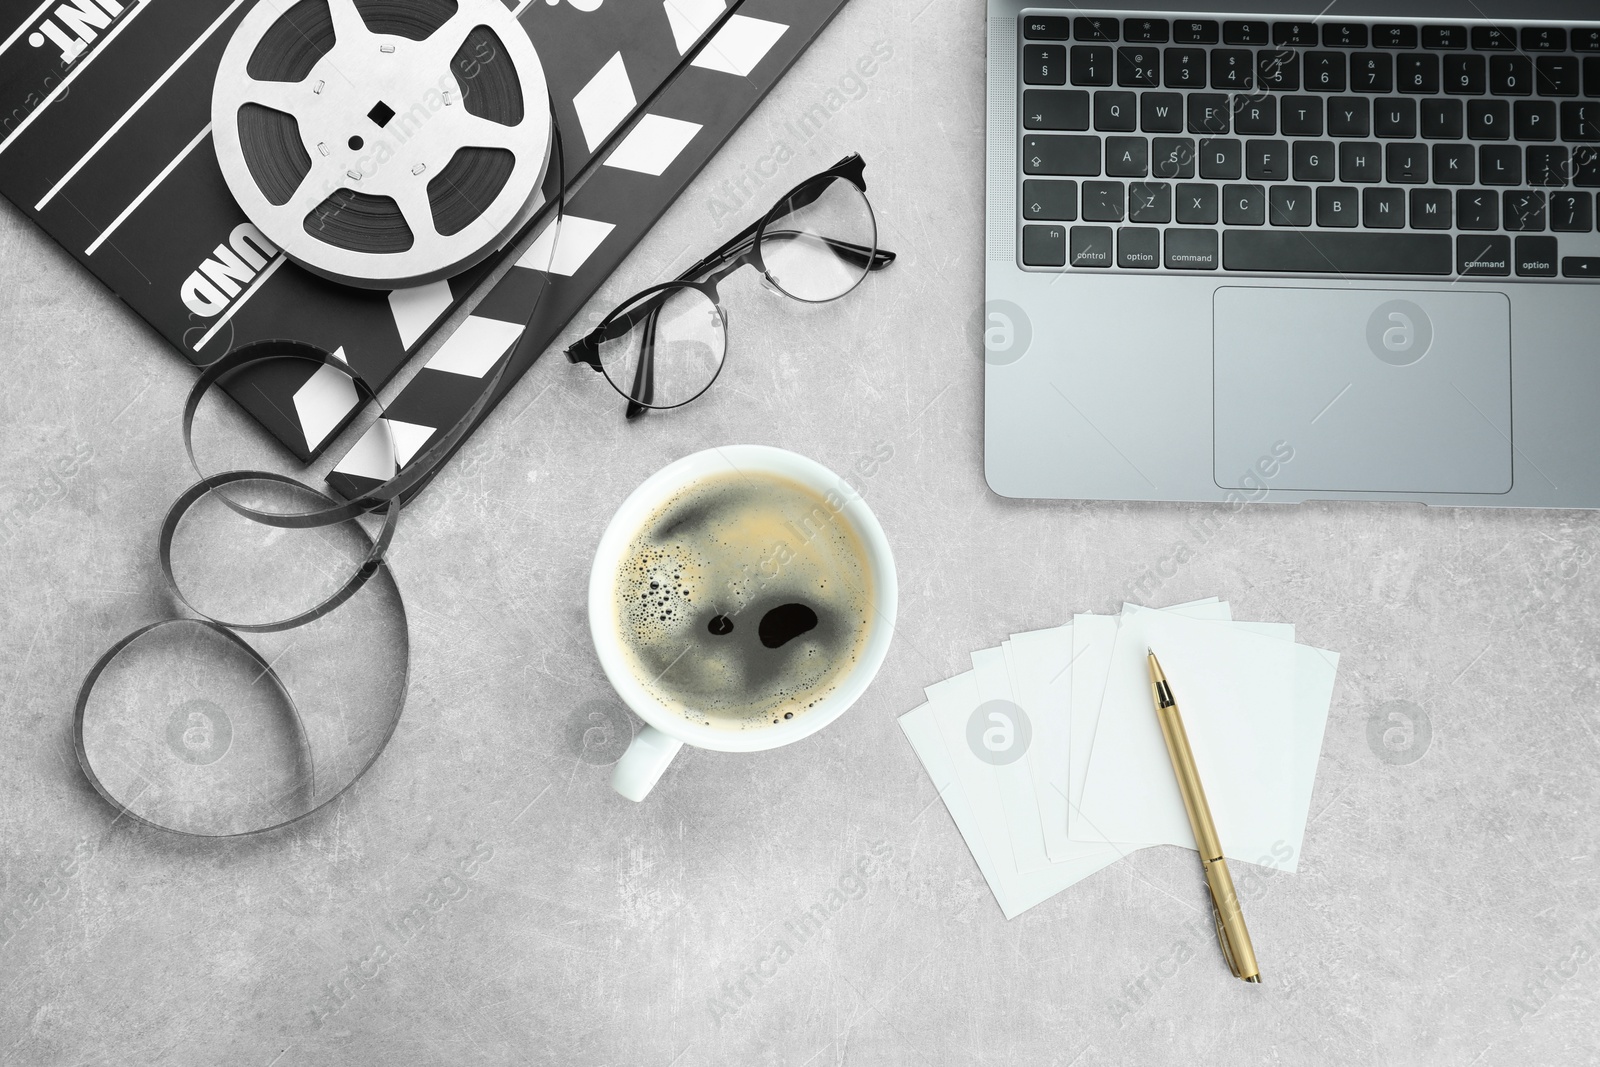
(663, 347)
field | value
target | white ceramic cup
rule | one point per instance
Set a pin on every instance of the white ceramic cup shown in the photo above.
(665, 730)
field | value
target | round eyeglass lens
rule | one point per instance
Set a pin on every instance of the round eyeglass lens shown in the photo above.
(817, 244)
(665, 347)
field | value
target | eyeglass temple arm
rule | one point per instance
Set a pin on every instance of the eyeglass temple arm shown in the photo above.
(643, 390)
(850, 168)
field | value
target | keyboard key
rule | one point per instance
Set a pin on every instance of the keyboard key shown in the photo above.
(1394, 36)
(1349, 116)
(1266, 161)
(1580, 267)
(1043, 199)
(1091, 64)
(1549, 166)
(1196, 31)
(1360, 161)
(1488, 120)
(1444, 37)
(1117, 111)
(1580, 121)
(1095, 29)
(1161, 112)
(1586, 39)
(1477, 210)
(1557, 76)
(1090, 246)
(1208, 113)
(1244, 205)
(1044, 246)
(1185, 68)
(1406, 164)
(1454, 164)
(1278, 70)
(1483, 256)
(1311, 252)
(1572, 212)
(1138, 248)
(1173, 157)
(1302, 116)
(1044, 64)
(1127, 157)
(1536, 257)
(1372, 72)
(1466, 75)
(1221, 158)
(1294, 34)
(1338, 205)
(1255, 115)
(1500, 164)
(1586, 167)
(1510, 75)
(1146, 31)
(1394, 116)
(1149, 202)
(1534, 120)
(1430, 209)
(1494, 38)
(1442, 120)
(1344, 35)
(1191, 249)
(1383, 209)
(1197, 205)
(1239, 32)
(1524, 211)
(1139, 67)
(1591, 76)
(1544, 39)
(1325, 72)
(1230, 69)
(1103, 201)
(1055, 109)
(1313, 161)
(1047, 28)
(1417, 73)
(1289, 205)
(1076, 156)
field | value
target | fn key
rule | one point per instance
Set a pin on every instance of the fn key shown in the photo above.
(1044, 246)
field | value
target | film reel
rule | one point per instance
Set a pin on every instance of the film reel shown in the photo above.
(383, 143)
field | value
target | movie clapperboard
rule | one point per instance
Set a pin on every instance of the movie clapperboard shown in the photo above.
(105, 143)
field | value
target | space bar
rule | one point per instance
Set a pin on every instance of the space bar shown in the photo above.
(1325, 252)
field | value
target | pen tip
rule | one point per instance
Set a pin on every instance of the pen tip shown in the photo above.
(1156, 673)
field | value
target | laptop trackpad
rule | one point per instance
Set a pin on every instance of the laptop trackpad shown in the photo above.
(1362, 390)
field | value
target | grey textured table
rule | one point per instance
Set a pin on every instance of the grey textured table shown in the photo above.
(1447, 908)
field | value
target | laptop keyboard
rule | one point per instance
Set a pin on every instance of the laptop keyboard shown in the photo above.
(1378, 147)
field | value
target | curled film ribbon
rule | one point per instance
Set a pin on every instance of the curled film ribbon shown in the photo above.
(199, 768)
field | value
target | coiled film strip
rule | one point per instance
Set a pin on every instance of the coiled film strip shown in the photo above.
(284, 762)
(383, 143)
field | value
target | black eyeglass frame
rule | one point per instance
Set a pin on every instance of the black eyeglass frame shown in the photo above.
(740, 250)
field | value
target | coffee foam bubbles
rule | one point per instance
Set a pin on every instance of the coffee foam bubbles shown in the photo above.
(743, 600)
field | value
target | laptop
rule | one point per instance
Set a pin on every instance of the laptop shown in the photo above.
(1289, 251)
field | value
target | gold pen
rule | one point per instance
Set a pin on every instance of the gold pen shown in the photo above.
(1231, 932)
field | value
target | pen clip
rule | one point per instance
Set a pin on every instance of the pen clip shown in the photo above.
(1222, 933)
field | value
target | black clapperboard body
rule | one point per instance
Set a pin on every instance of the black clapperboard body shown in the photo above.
(105, 111)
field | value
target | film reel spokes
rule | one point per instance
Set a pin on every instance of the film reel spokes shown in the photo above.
(383, 143)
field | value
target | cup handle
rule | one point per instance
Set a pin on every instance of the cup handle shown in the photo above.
(642, 765)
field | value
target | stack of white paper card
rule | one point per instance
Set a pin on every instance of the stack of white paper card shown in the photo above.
(1050, 758)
